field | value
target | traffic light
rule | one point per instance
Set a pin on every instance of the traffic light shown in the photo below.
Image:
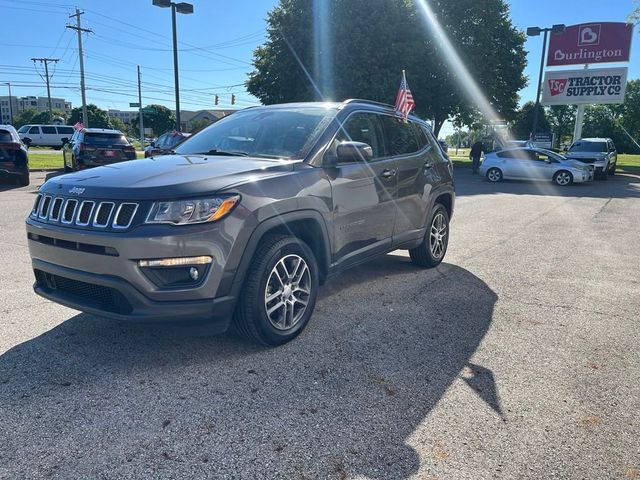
(233, 99)
(217, 100)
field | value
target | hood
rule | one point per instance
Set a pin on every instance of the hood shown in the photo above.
(169, 176)
(575, 163)
(581, 155)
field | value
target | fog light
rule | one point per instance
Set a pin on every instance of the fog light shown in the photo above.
(176, 262)
(194, 274)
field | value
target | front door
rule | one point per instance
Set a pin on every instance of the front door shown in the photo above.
(363, 192)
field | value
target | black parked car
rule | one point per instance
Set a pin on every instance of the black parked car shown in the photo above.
(93, 147)
(165, 143)
(14, 160)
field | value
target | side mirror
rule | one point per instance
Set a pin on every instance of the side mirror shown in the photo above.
(354, 151)
(64, 140)
(27, 141)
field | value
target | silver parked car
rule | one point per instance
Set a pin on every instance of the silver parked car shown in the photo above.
(600, 153)
(534, 164)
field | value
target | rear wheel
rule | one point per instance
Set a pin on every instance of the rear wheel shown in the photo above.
(434, 245)
(494, 175)
(279, 293)
(563, 178)
(23, 179)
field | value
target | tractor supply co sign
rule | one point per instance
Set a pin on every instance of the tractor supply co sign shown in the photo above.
(604, 42)
(573, 87)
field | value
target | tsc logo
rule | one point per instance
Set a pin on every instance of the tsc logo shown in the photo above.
(77, 190)
(589, 35)
(557, 86)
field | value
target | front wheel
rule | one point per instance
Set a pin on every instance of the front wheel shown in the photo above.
(563, 178)
(612, 170)
(434, 245)
(279, 293)
(494, 175)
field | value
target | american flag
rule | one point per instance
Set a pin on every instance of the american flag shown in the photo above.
(404, 99)
(79, 126)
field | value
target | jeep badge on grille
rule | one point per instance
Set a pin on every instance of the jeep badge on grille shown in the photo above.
(77, 190)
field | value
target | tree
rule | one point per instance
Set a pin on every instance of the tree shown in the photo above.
(562, 120)
(25, 117)
(118, 124)
(199, 124)
(46, 118)
(522, 123)
(161, 121)
(630, 117)
(96, 117)
(371, 41)
(634, 17)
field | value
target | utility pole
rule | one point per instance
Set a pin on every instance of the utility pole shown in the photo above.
(46, 73)
(79, 30)
(140, 111)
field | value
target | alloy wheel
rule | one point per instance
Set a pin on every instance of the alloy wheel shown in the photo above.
(563, 178)
(438, 235)
(287, 292)
(494, 175)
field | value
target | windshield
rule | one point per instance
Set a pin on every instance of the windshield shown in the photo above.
(589, 147)
(270, 133)
(105, 139)
(23, 129)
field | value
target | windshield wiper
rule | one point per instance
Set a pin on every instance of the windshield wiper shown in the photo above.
(224, 153)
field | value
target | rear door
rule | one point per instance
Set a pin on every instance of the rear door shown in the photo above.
(363, 192)
(417, 166)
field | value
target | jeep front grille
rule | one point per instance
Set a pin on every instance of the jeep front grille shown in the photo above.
(84, 213)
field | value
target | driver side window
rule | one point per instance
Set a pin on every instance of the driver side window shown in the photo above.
(363, 127)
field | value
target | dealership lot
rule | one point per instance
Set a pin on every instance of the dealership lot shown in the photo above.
(516, 358)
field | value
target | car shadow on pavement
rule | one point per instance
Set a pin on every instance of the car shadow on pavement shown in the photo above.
(621, 185)
(94, 398)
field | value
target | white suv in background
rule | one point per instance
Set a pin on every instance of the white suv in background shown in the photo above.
(599, 152)
(45, 135)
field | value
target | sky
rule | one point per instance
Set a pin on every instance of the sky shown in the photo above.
(216, 44)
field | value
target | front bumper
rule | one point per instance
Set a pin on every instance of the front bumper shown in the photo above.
(98, 272)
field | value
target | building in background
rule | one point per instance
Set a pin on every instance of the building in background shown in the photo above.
(126, 116)
(188, 118)
(41, 104)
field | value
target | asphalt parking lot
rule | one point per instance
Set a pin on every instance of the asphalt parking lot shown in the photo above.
(517, 358)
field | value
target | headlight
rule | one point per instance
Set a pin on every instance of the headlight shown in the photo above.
(200, 210)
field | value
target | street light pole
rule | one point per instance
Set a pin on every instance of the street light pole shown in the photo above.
(534, 32)
(181, 7)
(175, 65)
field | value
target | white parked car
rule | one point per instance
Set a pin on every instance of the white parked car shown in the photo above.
(534, 164)
(45, 135)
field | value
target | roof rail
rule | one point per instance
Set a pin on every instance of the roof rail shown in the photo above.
(371, 102)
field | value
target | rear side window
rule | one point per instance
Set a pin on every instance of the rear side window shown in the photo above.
(5, 137)
(49, 130)
(66, 130)
(400, 136)
(35, 130)
(103, 139)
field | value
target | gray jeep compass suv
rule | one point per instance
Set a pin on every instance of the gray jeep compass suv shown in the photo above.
(246, 219)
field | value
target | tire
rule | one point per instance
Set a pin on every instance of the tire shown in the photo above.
(494, 175)
(23, 179)
(563, 178)
(604, 175)
(66, 168)
(276, 257)
(425, 255)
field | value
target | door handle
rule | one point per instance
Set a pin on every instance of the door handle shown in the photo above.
(389, 173)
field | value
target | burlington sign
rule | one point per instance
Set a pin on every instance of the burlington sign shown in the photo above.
(603, 42)
(573, 87)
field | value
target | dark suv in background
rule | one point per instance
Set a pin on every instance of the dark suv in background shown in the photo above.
(246, 219)
(94, 147)
(165, 143)
(14, 159)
